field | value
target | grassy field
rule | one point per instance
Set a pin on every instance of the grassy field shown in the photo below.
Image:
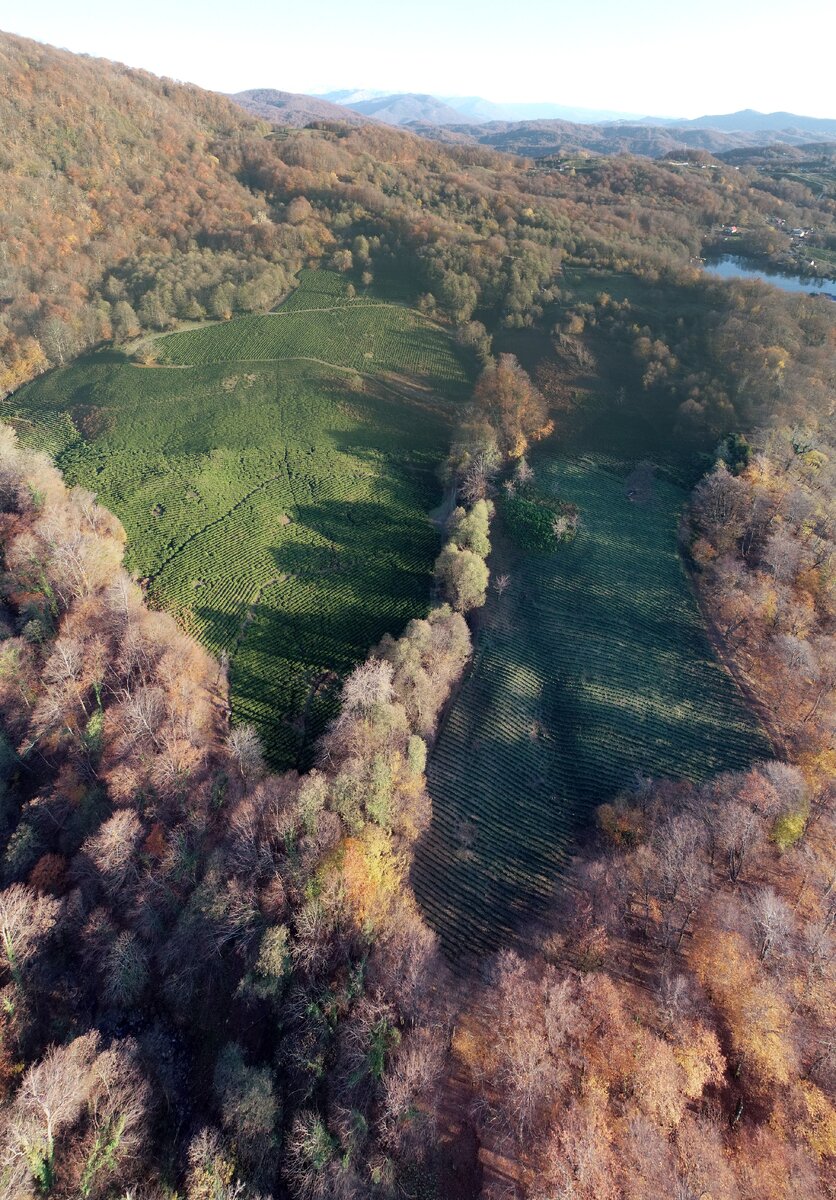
(591, 670)
(277, 511)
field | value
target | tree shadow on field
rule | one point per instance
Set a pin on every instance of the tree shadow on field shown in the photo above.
(387, 547)
(385, 435)
(325, 608)
(602, 672)
(503, 824)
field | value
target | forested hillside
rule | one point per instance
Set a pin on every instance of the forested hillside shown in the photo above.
(133, 203)
(216, 982)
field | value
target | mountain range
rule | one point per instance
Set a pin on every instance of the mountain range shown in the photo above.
(407, 108)
(474, 121)
(544, 139)
(401, 107)
(748, 120)
(404, 107)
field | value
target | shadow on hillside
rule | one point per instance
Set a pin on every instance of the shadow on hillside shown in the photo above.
(363, 539)
(323, 609)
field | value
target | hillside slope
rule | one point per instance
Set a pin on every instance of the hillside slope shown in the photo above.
(402, 108)
(99, 163)
(293, 108)
(274, 499)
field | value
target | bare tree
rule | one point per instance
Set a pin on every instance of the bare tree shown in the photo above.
(773, 922)
(112, 851)
(738, 830)
(523, 473)
(246, 751)
(368, 685)
(783, 554)
(51, 1098)
(25, 919)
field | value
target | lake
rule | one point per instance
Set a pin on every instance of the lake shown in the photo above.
(732, 266)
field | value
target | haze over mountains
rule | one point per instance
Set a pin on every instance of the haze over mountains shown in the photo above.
(402, 107)
(465, 108)
(540, 130)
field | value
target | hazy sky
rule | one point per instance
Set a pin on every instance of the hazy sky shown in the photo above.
(660, 57)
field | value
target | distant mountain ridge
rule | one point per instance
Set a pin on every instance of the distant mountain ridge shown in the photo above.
(350, 95)
(544, 139)
(400, 108)
(471, 123)
(748, 120)
(292, 108)
(404, 108)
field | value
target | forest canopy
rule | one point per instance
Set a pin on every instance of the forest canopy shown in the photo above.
(215, 981)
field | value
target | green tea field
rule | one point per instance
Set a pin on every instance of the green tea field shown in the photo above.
(320, 323)
(274, 484)
(593, 668)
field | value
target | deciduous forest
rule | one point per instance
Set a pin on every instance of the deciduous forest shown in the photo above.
(233, 972)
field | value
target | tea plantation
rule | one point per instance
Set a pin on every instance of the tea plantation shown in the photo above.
(275, 505)
(592, 669)
(319, 322)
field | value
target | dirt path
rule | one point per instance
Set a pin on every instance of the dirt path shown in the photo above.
(162, 366)
(349, 305)
(440, 515)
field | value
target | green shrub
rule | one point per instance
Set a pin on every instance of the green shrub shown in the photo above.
(788, 829)
(536, 524)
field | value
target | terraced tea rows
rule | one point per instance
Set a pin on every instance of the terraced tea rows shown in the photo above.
(592, 669)
(320, 323)
(276, 511)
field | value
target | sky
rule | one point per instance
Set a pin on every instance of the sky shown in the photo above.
(675, 58)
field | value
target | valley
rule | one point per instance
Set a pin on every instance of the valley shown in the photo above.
(274, 491)
(591, 671)
(417, 619)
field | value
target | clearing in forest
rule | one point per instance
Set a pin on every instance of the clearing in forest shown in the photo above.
(591, 670)
(275, 505)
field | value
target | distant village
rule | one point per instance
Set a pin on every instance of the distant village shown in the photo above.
(778, 222)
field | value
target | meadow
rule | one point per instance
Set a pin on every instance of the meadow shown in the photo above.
(591, 671)
(273, 484)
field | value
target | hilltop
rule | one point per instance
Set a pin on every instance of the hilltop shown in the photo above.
(293, 108)
(407, 108)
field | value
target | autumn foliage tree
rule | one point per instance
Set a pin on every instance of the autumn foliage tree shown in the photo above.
(508, 403)
(672, 1032)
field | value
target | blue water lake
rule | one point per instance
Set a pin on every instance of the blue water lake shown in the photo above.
(732, 266)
